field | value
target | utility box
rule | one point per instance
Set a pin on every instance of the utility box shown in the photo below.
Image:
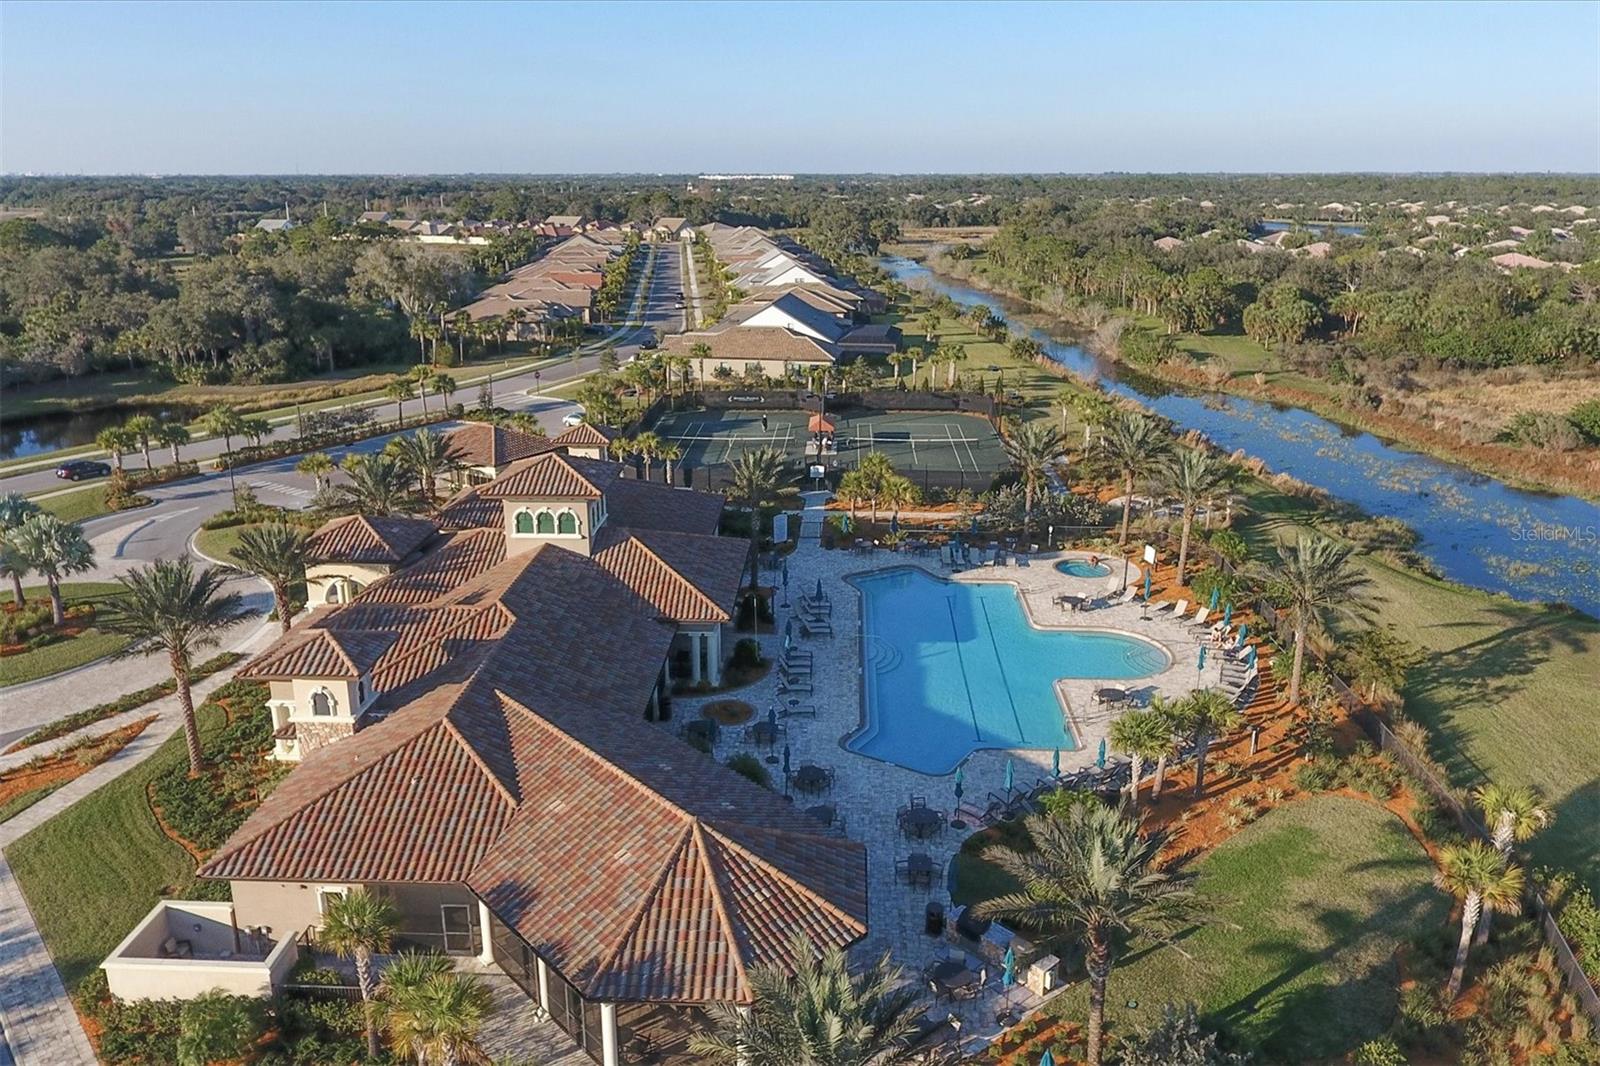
(1041, 976)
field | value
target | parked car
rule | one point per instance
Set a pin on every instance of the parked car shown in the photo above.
(78, 469)
(573, 419)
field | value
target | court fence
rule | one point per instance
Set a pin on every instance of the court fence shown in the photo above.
(1372, 722)
(845, 402)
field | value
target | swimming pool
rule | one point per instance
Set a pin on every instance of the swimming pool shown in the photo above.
(1083, 568)
(953, 667)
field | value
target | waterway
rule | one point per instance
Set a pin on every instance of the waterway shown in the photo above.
(1476, 530)
(22, 437)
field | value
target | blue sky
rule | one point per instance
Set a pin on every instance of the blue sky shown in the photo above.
(419, 87)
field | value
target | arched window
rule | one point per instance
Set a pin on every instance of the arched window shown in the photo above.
(567, 523)
(321, 705)
(332, 595)
(547, 522)
(523, 522)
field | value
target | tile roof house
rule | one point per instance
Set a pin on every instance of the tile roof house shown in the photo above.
(482, 450)
(348, 554)
(473, 743)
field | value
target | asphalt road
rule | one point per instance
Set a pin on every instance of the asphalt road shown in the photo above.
(655, 313)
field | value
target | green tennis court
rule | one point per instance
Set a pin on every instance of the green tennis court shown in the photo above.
(945, 447)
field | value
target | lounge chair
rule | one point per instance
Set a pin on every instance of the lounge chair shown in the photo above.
(1125, 596)
(1200, 616)
(1178, 608)
(814, 627)
(787, 685)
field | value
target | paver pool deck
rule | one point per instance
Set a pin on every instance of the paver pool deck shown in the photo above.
(868, 792)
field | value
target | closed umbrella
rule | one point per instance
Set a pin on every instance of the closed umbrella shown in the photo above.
(819, 588)
(1011, 775)
(894, 523)
(1244, 631)
(1100, 761)
(1047, 1059)
(1202, 665)
(974, 526)
(1009, 974)
(1055, 762)
(786, 760)
(1147, 586)
(1227, 616)
(1216, 597)
(961, 780)
(1250, 656)
(772, 717)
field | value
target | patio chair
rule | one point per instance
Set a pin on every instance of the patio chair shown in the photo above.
(815, 628)
(1178, 608)
(1200, 617)
(795, 673)
(918, 801)
(787, 685)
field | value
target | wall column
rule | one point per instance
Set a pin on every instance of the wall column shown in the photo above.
(485, 920)
(608, 1034)
(544, 982)
(694, 657)
(714, 654)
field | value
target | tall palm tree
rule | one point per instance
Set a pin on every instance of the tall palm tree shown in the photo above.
(174, 435)
(899, 491)
(757, 483)
(1315, 579)
(1032, 448)
(1140, 735)
(276, 553)
(399, 391)
(143, 429)
(53, 549)
(379, 485)
(427, 456)
(669, 452)
(318, 466)
(360, 925)
(435, 1013)
(167, 607)
(1194, 476)
(1090, 876)
(116, 442)
(1204, 715)
(225, 422)
(15, 509)
(816, 1011)
(648, 445)
(1137, 445)
(853, 490)
(1514, 814)
(1165, 712)
(1478, 876)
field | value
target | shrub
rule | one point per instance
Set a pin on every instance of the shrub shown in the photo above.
(215, 1026)
(1319, 776)
(1585, 418)
(1380, 1052)
(142, 1032)
(751, 767)
(1230, 546)
(747, 653)
(1178, 1038)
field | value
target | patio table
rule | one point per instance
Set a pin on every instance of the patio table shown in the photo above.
(1111, 695)
(919, 867)
(823, 812)
(811, 779)
(952, 976)
(921, 822)
(764, 734)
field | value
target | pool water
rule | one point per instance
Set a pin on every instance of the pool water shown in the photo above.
(950, 668)
(1083, 568)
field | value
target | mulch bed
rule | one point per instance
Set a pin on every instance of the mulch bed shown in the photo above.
(728, 712)
(66, 765)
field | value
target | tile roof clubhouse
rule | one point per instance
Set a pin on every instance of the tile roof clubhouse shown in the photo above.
(503, 679)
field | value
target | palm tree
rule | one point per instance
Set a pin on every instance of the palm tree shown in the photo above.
(399, 391)
(853, 490)
(899, 491)
(15, 509)
(423, 377)
(53, 549)
(1514, 814)
(1478, 876)
(379, 485)
(648, 445)
(318, 466)
(276, 553)
(669, 452)
(875, 470)
(225, 422)
(116, 441)
(1137, 445)
(444, 386)
(435, 1013)
(1140, 735)
(143, 429)
(167, 607)
(1194, 476)
(360, 925)
(1032, 448)
(426, 455)
(1166, 713)
(757, 482)
(817, 1011)
(1204, 715)
(1316, 579)
(1090, 876)
(174, 435)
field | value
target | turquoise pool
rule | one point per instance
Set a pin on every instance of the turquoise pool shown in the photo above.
(952, 667)
(1083, 568)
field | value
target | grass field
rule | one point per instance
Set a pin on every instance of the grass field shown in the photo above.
(54, 658)
(91, 872)
(1306, 909)
(1510, 691)
(1038, 387)
(219, 543)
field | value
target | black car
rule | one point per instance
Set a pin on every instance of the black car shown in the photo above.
(79, 469)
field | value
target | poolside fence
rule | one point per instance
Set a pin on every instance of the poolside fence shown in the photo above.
(1384, 738)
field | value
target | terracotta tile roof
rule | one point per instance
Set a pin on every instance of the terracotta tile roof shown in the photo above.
(584, 435)
(754, 342)
(320, 653)
(648, 505)
(362, 539)
(470, 509)
(688, 577)
(462, 557)
(553, 475)
(482, 444)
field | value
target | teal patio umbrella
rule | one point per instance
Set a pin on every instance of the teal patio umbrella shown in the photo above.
(1227, 616)
(1100, 760)
(1147, 586)
(1009, 974)
(1216, 597)
(1202, 665)
(1055, 763)
(961, 782)
(894, 523)
(1047, 1059)
(1250, 656)
(1011, 775)
(974, 527)
(819, 588)
(1244, 631)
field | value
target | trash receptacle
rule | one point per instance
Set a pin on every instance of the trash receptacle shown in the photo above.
(933, 919)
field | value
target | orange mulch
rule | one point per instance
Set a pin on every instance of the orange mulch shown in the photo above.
(66, 765)
(1025, 1043)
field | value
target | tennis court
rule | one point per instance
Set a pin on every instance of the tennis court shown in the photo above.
(941, 448)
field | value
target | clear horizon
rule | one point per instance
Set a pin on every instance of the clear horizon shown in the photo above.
(635, 89)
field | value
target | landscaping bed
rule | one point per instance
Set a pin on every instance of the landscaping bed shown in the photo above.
(31, 646)
(23, 786)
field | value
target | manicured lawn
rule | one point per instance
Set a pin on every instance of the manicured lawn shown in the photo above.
(1510, 691)
(219, 543)
(1297, 957)
(80, 505)
(91, 872)
(21, 802)
(75, 651)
